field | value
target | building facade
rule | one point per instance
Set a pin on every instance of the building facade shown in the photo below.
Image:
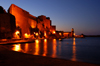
(30, 24)
(19, 23)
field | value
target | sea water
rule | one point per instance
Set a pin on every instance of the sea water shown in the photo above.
(74, 49)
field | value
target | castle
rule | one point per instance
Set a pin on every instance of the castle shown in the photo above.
(18, 23)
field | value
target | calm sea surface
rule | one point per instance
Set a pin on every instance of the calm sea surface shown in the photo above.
(75, 49)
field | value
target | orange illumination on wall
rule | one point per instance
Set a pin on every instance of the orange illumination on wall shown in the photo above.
(32, 25)
(59, 33)
(45, 33)
(27, 35)
(3, 39)
(54, 32)
(66, 33)
(17, 24)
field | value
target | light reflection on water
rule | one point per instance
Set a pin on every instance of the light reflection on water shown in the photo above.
(36, 47)
(26, 48)
(45, 47)
(41, 47)
(59, 50)
(54, 48)
(74, 49)
(16, 47)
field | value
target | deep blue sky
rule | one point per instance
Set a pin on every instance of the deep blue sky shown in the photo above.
(82, 15)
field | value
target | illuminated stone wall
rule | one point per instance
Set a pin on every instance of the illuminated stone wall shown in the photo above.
(66, 34)
(53, 29)
(26, 21)
(43, 23)
(23, 19)
(32, 21)
(47, 23)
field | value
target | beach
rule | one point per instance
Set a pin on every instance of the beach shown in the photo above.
(12, 58)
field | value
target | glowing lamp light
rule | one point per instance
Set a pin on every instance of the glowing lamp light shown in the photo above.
(54, 32)
(26, 35)
(36, 34)
(59, 33)
(17, 32)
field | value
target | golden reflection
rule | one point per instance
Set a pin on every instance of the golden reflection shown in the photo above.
(45, 47)
(36, 41)
(26, 47)
(59, 47)
(54, 48)
(74, 50)
(17, 47)
(36, 47)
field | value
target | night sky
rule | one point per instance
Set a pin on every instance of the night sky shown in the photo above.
(82, 15)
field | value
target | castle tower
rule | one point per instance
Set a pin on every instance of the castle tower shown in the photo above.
(72, 32)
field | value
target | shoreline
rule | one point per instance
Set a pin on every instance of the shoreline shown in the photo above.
(13, 58)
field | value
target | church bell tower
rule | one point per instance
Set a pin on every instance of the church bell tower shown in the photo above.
(72, 32)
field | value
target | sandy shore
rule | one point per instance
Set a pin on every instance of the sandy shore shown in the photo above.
(11, 58)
